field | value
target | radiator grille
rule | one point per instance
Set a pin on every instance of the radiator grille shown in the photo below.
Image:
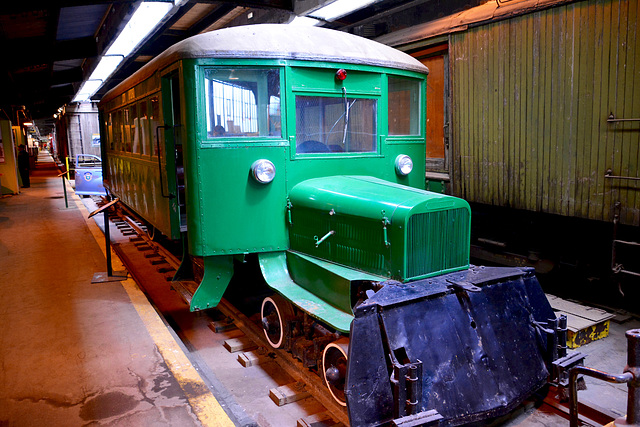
(437, 241)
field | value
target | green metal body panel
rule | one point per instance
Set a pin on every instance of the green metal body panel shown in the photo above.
(331, 282)
(380, 227)
(436, 186)
(234, 213)
(320, 79)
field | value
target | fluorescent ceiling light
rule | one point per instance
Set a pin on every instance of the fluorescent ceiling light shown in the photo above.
(144, 20)
(87, 90)
(304, 21)
(340, 8)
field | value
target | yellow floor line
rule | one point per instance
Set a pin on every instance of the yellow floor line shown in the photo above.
(203, 403)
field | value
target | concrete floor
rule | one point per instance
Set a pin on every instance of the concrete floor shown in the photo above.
(72, 353)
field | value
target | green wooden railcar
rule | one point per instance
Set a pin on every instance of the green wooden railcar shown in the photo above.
(296, 144)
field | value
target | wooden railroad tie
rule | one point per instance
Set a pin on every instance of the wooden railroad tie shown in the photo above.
(322, 419)
(218, 326)
(234, 345)
(288, 393)
(253, 358)
(135, 239)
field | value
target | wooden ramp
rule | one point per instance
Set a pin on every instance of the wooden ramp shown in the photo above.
(584, 324)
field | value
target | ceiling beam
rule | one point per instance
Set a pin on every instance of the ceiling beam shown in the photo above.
(14, 7)
(270, 4)
(72, 75)
(85, 47)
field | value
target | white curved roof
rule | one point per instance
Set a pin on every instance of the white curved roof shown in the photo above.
(281, 41)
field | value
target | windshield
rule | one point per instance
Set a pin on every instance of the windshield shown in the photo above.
(336, 125)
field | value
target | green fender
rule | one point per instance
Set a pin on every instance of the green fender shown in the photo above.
(218, 271)
(318, 287)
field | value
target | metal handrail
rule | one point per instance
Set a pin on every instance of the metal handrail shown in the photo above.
(612, 119)
(609, 174)
(631, 376)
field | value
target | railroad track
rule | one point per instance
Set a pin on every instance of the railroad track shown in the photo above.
(249, 343)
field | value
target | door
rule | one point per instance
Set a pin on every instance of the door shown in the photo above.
(174, 166)
(436, 58)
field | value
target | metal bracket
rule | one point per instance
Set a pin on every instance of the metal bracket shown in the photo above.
(464, 286)
(427, 418)
(323, 238)
(407, 388)
(289, 206)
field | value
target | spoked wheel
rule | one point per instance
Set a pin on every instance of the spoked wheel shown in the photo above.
(275, 312)
(334, 367)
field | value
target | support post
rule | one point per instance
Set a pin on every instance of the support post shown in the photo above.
(633, 366)
(110, 276)
(64, 189)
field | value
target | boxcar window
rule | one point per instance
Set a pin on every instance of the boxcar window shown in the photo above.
(242, 102)
(404, 106)
(336, 124)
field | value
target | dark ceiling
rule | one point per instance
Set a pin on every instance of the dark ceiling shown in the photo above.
(51, 46)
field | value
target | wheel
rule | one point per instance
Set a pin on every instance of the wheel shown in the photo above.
(275, 312)
(151, 231)
(334, 368)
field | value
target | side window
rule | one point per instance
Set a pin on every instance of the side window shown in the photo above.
(134, 129)
(143, 124)
(117, 130)
(242, 103)
(154, 122)
(336, 124)
(404, 106)
(110, 130)
(126, 121)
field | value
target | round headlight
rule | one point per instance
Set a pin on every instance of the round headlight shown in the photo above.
(404, 165)
(263, 171)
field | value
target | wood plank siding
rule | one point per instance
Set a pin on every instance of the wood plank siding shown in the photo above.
(531, 96)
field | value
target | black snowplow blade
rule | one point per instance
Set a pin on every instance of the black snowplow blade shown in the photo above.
(456, 348)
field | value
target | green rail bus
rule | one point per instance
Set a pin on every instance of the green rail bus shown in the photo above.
(302, 150)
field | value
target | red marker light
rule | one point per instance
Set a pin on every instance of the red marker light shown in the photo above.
(341, 74)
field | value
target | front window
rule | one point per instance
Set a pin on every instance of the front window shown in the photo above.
(404, 106)
(242, 102)
(336, 124)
